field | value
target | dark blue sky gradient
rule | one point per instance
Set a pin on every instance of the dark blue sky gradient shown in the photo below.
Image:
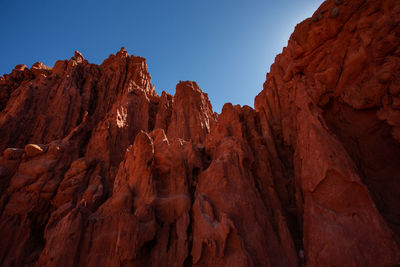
(226, 46)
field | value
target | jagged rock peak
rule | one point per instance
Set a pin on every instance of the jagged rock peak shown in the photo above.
(78, 57)
(122, 52)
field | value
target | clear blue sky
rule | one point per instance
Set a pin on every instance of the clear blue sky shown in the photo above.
(226, 46)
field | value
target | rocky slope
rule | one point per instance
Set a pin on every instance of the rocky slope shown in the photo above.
(98, 170)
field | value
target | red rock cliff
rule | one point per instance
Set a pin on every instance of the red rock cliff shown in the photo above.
(98, 170)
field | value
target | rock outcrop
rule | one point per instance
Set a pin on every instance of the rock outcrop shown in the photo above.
(98, 170)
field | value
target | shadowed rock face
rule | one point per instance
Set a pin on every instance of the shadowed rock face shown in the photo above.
(98, 170)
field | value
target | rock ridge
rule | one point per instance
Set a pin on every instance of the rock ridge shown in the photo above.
(99, 170)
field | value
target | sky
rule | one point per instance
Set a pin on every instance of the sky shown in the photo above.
(226, 46)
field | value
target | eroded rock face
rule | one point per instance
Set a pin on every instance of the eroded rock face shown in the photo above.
(98, 170)
(327, 102)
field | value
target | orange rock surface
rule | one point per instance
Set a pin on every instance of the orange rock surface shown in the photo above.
(98, 170)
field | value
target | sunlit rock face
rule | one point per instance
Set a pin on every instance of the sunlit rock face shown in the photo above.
(98, 170)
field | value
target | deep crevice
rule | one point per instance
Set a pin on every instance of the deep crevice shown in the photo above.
(370, 144)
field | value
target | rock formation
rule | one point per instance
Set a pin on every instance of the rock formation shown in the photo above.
(98, 170)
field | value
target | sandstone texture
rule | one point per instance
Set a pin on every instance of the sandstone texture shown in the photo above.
(98, 170)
